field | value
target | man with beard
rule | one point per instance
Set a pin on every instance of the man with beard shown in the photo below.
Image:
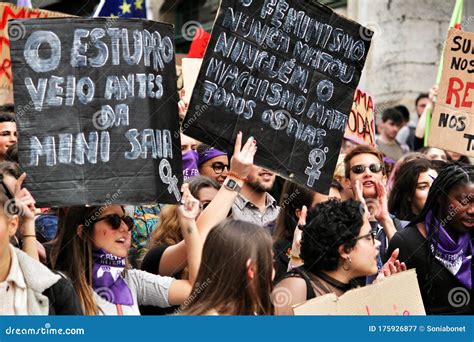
(254, 203)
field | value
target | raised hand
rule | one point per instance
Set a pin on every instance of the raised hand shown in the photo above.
(242, 160)
(296, 246)
(295, 259)
(23, 199)
(182, 105)
(381, 212)
(188, 209)
(359, 196)
(392, 266)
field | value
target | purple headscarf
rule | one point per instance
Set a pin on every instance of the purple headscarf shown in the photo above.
(209, 153)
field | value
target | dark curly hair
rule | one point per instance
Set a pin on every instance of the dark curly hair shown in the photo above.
(329, 225)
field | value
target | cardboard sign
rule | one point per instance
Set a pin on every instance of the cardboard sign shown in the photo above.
(452, 122)
(284, 73)
(395, 295)
(8, 12)
(361, 123)
(190, 68)
(100, 114)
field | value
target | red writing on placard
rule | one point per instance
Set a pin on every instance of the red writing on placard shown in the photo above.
(360, 123)
(404, 312)
(458, 91)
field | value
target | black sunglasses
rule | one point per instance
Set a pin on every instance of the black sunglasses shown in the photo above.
(372, 234)
(115, 220)
(219, 167)
(374, 168)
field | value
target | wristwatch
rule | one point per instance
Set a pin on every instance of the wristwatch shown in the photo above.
(232, 185)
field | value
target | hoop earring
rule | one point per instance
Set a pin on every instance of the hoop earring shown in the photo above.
(348, 262)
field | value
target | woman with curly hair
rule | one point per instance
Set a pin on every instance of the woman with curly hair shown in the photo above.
(338, 246)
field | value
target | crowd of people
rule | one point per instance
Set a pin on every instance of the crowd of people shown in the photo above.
(240, 233)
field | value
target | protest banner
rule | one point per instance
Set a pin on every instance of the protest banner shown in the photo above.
(361, 122)
(100, 114)
(452, 122)
(190, 68)
(284, 74)
(7, 12)
(398, 294)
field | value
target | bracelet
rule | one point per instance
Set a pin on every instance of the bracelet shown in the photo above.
(31, 235)
(234, 175)
(292, 256)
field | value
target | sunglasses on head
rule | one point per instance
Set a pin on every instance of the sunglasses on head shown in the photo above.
(374, 168)
(115, 220)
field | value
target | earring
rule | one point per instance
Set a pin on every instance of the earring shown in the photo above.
(346, 262)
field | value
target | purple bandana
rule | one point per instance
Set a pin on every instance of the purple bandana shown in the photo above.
(209, 153)
(107, 280)
(190, 168)
(455, 256)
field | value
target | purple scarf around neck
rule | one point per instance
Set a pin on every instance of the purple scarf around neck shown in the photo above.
(107, 280)
(455, 256)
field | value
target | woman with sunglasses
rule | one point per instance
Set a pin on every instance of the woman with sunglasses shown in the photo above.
(337, 246)
(212, 163)
(92, 248)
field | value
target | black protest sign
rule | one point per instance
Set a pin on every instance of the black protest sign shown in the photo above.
(284, 72)
(98, 120)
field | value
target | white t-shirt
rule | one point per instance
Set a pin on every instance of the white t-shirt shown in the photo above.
(147, 289)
